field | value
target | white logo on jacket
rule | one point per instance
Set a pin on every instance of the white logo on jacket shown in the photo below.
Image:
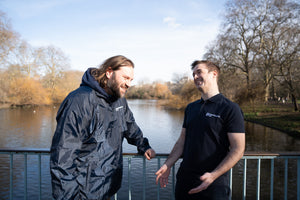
(119, 108)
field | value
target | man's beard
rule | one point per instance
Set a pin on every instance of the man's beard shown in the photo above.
(115, 88)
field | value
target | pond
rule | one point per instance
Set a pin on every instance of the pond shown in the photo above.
(34, 128)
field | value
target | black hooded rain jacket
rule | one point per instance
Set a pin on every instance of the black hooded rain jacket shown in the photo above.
(86, 153)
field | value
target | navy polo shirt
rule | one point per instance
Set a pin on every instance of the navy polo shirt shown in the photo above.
(207, 124)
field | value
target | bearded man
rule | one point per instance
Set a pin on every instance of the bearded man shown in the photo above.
(86, 153)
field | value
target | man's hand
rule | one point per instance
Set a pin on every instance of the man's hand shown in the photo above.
(150, 153)
(162, 175)
(207, 179)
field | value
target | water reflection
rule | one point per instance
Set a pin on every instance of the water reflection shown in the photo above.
(261, 138)
(161, 127)
(34, 128)
(30, 127)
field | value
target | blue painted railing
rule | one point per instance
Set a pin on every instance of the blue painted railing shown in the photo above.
(248, 172)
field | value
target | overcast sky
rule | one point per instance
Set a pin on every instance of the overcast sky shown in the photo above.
(161, 37)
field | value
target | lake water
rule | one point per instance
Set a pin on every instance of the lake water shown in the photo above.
(34, 128)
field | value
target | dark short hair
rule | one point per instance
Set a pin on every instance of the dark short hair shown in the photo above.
(210, 65)
(114, 63)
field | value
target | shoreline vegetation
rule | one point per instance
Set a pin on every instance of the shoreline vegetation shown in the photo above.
(278, 116)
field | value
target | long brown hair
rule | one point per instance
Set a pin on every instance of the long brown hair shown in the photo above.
(114, 63)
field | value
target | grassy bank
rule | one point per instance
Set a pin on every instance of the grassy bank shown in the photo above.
(279, 116)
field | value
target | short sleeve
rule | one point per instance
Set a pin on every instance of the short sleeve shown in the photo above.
(235, 120)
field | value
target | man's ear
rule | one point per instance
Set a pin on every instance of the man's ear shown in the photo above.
(215, 73)
(109, 72)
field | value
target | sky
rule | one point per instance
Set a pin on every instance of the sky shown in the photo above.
(161, 37)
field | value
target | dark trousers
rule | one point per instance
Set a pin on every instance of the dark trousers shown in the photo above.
(211, 193)
(219, 190)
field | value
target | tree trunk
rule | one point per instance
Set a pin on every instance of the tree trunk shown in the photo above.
(267, 92)
(294, 101)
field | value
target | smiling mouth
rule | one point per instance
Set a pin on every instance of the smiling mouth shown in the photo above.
(199, 82)
(124, 89)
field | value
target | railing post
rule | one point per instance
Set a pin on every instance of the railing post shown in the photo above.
(245, 179)
(258, 179)
(285, 177)
(11, 185)
(158, 185)
(40, 176)
(230, 183)
(298, 179)
(25, 176)
(173, 182)
(129, 181)
(144, 178)
(272, 180)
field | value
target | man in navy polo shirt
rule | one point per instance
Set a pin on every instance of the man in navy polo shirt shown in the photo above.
(211, 142)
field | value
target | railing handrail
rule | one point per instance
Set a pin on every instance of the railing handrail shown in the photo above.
(247, 153)
(25, 150)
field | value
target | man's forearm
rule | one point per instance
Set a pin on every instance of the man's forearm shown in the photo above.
(177, 150)
(229, 161)
(237, 148)
(174, 155)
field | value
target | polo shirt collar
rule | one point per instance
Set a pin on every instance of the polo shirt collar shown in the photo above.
(212, 99)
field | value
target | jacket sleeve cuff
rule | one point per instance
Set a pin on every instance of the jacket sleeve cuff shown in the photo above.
(143, 147)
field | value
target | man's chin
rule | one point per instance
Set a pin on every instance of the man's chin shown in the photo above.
(200, 88)
(122, 95)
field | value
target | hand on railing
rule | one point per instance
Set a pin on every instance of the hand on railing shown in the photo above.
(150, 153)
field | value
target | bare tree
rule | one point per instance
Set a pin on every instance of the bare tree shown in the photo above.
(27, 57)
(236, 46)
(253, 38)
(53, 62)
(288, 60)
(277, 37)
(8, 39)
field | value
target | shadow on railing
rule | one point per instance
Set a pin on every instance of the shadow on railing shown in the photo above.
(256, 176)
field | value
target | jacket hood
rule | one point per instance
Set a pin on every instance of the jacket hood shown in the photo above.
(89, 80)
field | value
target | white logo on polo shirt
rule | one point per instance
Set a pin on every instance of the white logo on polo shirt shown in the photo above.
(212, 115)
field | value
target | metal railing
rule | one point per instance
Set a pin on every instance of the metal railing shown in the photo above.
(269, 175)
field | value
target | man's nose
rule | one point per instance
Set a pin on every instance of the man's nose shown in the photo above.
(128, 83)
